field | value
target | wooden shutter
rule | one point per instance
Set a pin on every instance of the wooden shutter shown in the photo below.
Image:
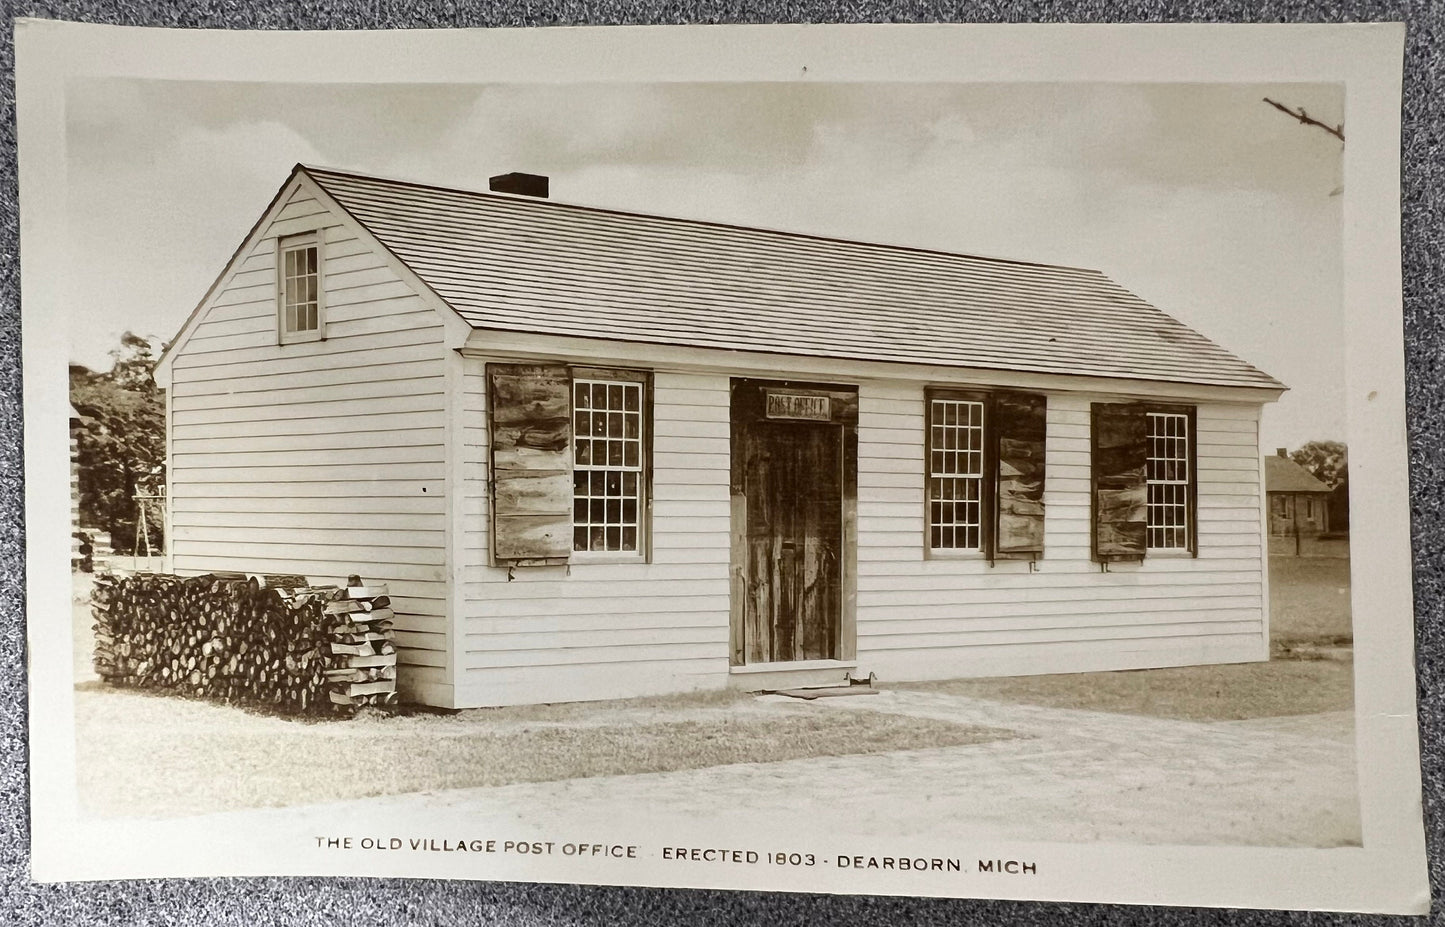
(1120, 463)
(531, 440)
(1019, 428)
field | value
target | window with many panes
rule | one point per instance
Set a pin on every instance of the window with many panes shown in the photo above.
(608, 480)
(1168, 477)
(955, 474)
(301, 308)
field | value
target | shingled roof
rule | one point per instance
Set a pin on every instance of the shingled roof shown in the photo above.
(538, 266)
(1284, 475)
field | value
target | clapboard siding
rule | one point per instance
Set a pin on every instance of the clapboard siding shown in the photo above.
(603, 630)
(324, 458)
(600, 630)
(937, 617)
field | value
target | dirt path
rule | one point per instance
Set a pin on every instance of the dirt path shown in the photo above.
(1075, 776)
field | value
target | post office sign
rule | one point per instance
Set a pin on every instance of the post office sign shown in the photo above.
(799, 407)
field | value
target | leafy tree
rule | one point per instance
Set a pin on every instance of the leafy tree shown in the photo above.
(1327, 460)
(121, 440)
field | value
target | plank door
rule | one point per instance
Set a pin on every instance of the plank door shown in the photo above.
(793, 486)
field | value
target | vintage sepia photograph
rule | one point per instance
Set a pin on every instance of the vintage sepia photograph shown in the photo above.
(900, 460)
(680, 410)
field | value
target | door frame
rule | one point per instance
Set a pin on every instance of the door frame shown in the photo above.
(747, 405)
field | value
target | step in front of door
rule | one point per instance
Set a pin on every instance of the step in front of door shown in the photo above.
(759, 677)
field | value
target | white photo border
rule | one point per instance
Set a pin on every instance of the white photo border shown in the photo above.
(1387, 874)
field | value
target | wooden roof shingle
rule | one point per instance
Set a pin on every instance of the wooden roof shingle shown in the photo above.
(1284, 475)
(539, 266)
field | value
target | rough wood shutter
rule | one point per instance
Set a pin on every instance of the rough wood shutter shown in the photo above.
(1020, 428)
(1120, 463)
(530, 409)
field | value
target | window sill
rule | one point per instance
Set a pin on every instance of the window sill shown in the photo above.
(946, 553)
(1168, 553)
(585, 557)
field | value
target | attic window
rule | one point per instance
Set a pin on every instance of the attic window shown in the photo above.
(301, 307)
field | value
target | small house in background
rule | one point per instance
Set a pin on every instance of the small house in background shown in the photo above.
(599, 454)
(1299, 503)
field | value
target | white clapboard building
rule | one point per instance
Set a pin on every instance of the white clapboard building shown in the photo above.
(599, 454)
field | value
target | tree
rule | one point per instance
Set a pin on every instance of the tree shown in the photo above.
(1327, 460)
(121, 440)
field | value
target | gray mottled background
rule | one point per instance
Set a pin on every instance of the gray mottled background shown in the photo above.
(344, 902)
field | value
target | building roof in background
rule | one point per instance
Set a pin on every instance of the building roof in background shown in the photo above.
(1284, 475)
(524, 264)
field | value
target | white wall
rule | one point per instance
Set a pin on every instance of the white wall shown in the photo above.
(944, 618)
(614, 630)
(323, 458)
(608, 630)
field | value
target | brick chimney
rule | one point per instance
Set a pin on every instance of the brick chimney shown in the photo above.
(519, 184)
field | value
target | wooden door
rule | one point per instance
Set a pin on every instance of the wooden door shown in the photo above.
(793, 480)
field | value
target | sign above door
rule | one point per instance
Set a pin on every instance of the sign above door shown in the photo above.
(798, 406)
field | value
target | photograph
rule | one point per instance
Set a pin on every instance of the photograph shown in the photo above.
(901, 461)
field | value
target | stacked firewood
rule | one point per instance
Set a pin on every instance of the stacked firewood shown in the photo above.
(273, 640)
(362, 641)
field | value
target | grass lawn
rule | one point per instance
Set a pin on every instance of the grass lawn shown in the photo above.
(155, 756)
(1309, 600)
(1232, 692)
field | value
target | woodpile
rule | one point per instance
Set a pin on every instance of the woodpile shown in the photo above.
(364, 642)
(274, 641)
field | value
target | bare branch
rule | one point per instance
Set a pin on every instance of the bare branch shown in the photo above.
(1305, 119)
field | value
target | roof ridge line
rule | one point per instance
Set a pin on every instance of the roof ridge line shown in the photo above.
(312, 170)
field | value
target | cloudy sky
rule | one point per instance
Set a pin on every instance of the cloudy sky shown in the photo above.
(1200, 198)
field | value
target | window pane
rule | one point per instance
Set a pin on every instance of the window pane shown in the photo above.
(1168, 479)
(956, 464)
(608, 437)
